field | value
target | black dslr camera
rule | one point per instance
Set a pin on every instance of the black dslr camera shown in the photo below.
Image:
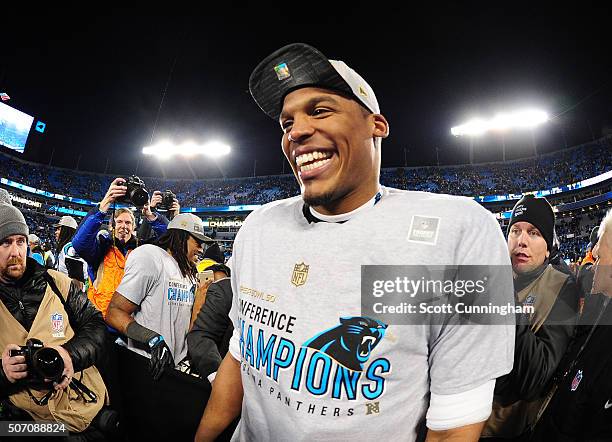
(167, 200)
(136, 192)
(43, 362)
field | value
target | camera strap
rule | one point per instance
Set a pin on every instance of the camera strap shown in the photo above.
(83, 391)
(56, 290)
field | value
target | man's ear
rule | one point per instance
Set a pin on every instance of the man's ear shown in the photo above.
(381, 126)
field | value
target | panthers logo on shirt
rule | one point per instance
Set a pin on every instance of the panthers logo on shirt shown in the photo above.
(351, 343)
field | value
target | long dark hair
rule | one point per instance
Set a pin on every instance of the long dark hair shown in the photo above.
(66, 234)
(175, 241)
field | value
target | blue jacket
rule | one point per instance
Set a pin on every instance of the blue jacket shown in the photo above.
(93, 247)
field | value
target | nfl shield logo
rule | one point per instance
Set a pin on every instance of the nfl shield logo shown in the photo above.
(530, 300)
(576, 380)
(300, 274)
(57, 325)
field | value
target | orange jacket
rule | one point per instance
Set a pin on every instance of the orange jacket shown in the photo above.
(109, 275)
(588, 259)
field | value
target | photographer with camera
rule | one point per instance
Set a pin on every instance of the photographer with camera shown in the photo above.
(51, 338)
(106, 254)
(165, 202)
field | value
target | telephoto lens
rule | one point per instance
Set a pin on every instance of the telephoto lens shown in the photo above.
(48, 363)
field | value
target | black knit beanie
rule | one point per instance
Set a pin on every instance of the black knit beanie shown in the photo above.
(538, 212)
(214, 252)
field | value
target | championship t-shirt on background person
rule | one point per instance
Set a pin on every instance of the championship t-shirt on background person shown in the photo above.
(154, 281)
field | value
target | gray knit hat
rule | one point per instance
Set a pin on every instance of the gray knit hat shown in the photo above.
(12, 222)
(5, 197)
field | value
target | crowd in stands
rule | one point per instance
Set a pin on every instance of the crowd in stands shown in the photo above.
(543, 172)
(41, 225)
(572, 231)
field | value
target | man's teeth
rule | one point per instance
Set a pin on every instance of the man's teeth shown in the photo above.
(314, 165)
(312, 156)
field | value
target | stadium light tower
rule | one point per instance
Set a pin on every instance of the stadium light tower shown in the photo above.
(525, 119)
(502, 122)
(166, 149)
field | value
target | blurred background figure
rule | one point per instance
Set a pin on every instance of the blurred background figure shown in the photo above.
(36, 251)
(68, 260)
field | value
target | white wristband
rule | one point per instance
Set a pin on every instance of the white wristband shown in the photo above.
(448, 411)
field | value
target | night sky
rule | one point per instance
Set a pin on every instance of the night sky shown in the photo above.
(97, 79)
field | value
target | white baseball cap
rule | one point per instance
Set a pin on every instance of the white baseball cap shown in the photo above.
(299, 65)
(189, 223)
(33, 238)
(67, 221)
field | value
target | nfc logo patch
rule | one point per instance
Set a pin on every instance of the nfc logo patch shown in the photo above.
(424, 229)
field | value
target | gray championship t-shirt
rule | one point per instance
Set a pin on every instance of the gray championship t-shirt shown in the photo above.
(297, 313)
(154, 281)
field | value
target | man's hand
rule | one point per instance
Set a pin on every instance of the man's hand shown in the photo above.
(117, 189)
(155, 200)
(160, 357)
(68, 368)
(14, 367)
(225, 401)
(176, 208)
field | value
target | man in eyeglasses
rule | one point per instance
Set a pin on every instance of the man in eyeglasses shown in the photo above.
(106, 253)
(48, 306)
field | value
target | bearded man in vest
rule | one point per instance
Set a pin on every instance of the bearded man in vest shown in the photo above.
(106, 253)
(36, 303)
(542, 336)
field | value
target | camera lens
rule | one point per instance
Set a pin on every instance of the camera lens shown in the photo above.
(139, 197)
(48, 362)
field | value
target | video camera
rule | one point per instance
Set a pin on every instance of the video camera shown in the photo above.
(136, 192)
(167, 200)
(42, 362)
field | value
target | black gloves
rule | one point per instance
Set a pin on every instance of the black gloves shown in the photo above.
(160, 353)
(160, 357)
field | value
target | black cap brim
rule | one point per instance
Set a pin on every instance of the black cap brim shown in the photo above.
(292, 67)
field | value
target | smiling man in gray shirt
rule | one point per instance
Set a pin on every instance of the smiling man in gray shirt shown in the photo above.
(305, 362)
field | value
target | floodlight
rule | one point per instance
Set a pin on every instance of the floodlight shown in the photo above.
(165, 149)
(474, 127)
(216, 149)
(503, 121)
